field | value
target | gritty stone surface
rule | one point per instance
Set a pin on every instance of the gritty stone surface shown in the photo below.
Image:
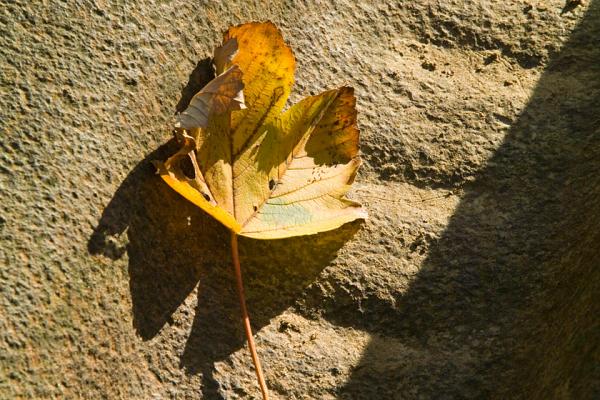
(476, 275)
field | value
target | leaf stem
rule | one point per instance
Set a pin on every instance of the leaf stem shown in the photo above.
(245, 317)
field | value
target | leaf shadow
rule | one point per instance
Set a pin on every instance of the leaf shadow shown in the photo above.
(275, 274)
(144, 219)
(164, 263)
(173, 247)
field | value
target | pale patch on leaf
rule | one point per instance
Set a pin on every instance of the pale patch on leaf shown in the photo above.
(223, 55)
(221, 95)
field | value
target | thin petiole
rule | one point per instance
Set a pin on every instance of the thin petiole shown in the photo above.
(246, 319)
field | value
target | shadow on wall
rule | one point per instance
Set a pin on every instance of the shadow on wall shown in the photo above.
(172, 246)
(506, 305)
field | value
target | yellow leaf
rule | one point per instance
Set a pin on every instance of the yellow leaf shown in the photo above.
(263, 173)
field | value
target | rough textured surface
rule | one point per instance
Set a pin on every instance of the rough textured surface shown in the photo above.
(476, 276)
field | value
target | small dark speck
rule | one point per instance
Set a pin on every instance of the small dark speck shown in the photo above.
(255, 208)
(206, 196)
(429, 66)
(491, 58)
(285, 326)
(271, 184)
(131, 82)
(503, 119)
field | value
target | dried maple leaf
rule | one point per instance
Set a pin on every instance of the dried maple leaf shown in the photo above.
(260, 172)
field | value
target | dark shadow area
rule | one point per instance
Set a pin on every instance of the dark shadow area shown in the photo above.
(172, 246)
(569, 6)
(200, 76)
(162, 270)
(275, 274)
(506, 304)
(161, 230)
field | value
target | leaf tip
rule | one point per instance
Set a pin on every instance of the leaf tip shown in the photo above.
(362, 213)
(224, 54)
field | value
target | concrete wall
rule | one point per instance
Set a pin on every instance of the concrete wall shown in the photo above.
(475, 277)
